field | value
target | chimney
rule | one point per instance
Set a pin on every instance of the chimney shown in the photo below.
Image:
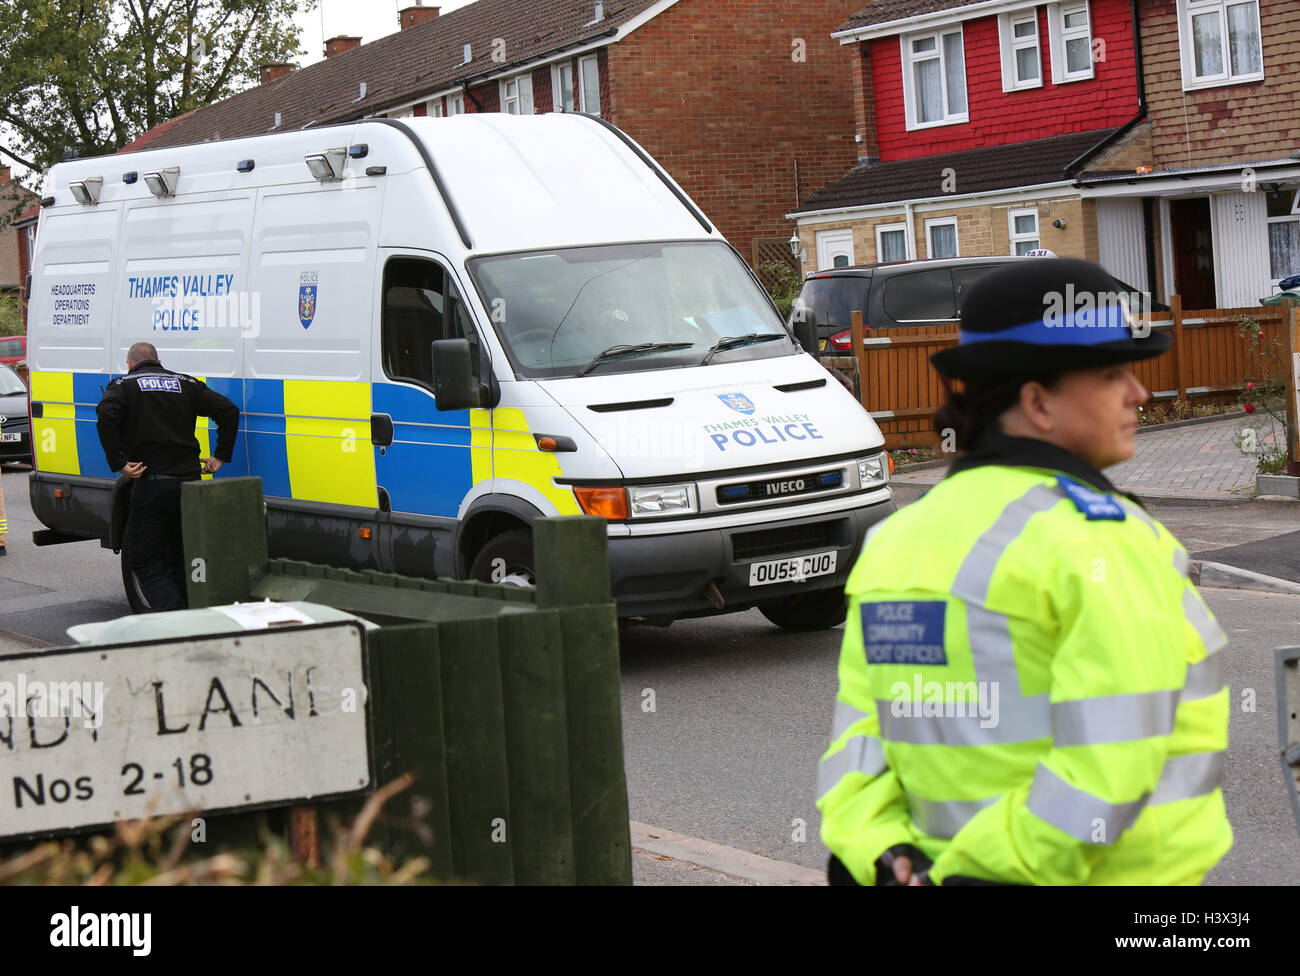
(416, 15)
(4, 175)
(337, 45)
(274, 71)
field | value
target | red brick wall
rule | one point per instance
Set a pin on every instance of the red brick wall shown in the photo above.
(710, 88)
(1251, 121)
(998, 117)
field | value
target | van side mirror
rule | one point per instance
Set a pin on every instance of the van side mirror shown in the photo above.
(454, 384)
(805, 329)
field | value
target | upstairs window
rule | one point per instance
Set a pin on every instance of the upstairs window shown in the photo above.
(1069, 28)
(589, 70)
(517, 95)
(934, 79)
(455, 104)
(1022, 57)
(562, 87)
(1220, 42)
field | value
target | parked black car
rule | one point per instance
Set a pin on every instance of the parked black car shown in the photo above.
(15, 427)
(908, 293)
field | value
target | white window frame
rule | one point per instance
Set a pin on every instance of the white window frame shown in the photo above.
(435, 108)
(1059, 35)
(1011, 44)
(1293, 217)
(1014, 238)
(522, 99)
(930, 224)
(590, 63)
(910, 103)
(1187, 9)
(557, 101)
(456, 104)
(881, 231)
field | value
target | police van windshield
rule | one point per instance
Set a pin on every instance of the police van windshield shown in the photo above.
(625, 307)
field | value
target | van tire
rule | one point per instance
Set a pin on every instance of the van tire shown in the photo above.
(817, 610)
(135, 597)
(507, 559)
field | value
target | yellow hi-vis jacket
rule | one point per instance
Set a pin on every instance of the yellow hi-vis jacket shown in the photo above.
(1031, 691)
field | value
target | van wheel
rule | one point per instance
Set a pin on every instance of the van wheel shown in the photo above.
(506, 559)
(131, 584)
(818, 610)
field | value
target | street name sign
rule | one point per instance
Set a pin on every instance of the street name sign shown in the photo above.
(268, 717)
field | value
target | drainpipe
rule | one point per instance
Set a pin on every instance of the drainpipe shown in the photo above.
(911, 237)
(1132, 123)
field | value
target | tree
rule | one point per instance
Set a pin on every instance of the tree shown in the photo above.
(92, 75)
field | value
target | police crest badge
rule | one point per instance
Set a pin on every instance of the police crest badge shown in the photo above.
(737, 402)
(308, 282)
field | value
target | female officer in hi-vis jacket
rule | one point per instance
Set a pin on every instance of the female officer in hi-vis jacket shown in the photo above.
(1031, 691)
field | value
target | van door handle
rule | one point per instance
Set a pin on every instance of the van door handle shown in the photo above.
(381, 430)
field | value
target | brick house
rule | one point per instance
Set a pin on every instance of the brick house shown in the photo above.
(747, 105)
(1220, 81)
(973, 118)
(17, 234)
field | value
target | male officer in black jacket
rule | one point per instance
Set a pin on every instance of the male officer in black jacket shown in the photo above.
(146, 424)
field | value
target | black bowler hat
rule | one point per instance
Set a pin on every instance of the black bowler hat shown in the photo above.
(1045, 315)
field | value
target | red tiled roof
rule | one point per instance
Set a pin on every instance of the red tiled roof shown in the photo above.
(402, 67)
(978, 171)
(885, 11)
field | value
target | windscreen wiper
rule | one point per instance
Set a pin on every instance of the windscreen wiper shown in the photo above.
(615, 352)
(735, 342)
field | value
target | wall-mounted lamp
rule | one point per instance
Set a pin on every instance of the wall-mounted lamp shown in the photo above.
(795, 246)
(1059, 223)
(86, 192)
(327, 166)
(163, 182)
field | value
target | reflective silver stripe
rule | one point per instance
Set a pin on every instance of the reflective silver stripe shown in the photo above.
(1204, 678)
(1113, 718)
(861, 754)
(1182, 562)
(976, 572)
(1137, 511)
(1185, 777)
(943, 818)
(1091, 819)
(1077, 812)
(1210, 632)
(845, 718)
(1028, 720)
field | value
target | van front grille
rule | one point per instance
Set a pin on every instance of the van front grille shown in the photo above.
(776, 542)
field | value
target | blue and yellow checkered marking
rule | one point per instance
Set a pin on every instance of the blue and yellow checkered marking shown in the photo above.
(310, 440)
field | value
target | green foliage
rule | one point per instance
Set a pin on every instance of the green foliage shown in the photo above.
(1263, 396)
(11, 315)
(783, 283)
(93, 75)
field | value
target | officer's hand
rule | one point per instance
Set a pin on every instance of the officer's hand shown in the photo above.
(211, 465)
(133, 469)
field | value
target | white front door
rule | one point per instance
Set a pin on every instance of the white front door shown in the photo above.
(834, 249)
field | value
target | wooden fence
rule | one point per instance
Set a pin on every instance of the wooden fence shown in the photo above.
(1210, 359)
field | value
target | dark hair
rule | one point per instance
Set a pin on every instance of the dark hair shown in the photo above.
(981, 403)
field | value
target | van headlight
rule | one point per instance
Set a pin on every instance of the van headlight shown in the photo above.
(873, 471)
(651, 500)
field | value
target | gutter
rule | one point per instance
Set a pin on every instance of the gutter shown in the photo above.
(902, 204)
(1072, 167)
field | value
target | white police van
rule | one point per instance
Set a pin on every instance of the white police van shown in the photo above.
(439, 330)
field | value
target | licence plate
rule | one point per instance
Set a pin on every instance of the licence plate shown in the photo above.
(794, 570)
(10, 438)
